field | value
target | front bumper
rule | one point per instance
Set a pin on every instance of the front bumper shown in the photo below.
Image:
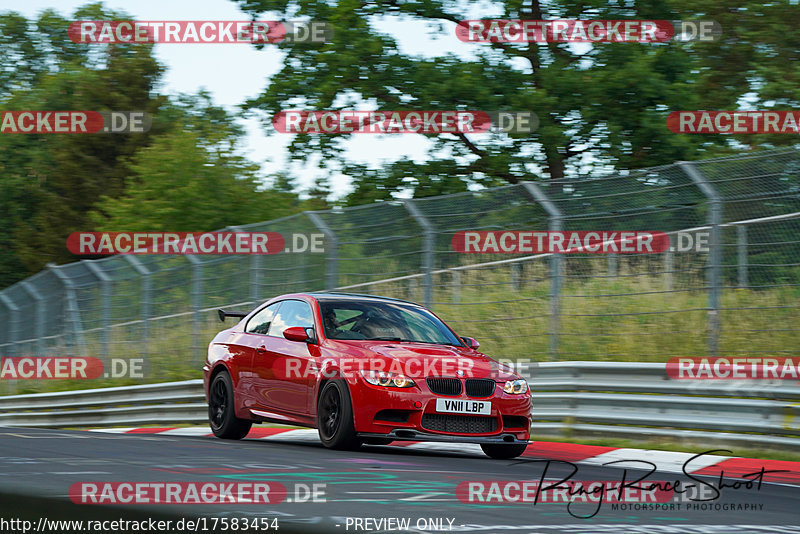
(370, 404)
(408, 434)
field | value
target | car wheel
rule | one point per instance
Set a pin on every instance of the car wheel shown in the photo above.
(335, 417)
(501, 451)
(221, 416)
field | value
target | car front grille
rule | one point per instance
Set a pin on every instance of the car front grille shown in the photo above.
(444, 386)
(460, 424)
(479, 387)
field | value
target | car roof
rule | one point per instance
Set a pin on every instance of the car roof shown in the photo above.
(331, 295)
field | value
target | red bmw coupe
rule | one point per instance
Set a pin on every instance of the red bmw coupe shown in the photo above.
(362, 369)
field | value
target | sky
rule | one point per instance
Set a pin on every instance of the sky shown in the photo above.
(233, 73)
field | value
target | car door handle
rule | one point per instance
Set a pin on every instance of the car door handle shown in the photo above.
(261, 350)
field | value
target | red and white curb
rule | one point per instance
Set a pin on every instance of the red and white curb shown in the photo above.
(667, 461)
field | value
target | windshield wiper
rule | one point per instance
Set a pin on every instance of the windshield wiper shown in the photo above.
(386, 339)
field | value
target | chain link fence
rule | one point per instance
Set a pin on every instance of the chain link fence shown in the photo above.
(737, 294)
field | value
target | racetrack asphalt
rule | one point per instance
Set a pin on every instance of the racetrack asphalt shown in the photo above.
(416, 484)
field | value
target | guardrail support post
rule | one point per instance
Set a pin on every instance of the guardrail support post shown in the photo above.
(741, 253)
(147, 289)
(555, 224)
(331, 271)
(105, 295)
(714, 272)
(428, 243)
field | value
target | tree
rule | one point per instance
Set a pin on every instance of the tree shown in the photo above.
(49, 182)
(180, 183)
(318, 195)
(184, 174)
(599, 108)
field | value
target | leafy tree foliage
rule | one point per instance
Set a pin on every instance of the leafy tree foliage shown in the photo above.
(600, 107)
(184, 174)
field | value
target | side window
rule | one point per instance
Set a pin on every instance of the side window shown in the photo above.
(292, 313)
(260, 322)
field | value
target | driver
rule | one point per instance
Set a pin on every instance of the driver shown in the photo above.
(329, 321)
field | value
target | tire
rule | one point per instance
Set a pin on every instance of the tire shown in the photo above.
(221, 415)
(501, 451)
(335, 417)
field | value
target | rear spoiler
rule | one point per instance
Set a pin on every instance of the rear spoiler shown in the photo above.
(223, 314)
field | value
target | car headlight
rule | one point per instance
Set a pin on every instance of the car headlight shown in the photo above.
(516, 387)
(389, 380)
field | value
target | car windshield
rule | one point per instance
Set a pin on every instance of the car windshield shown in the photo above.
(386, 321)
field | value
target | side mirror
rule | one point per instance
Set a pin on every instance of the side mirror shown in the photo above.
(298, 333)
(471, 342)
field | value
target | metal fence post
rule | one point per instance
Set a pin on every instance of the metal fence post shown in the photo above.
(714, 273)
(38, 324)
(456, 283)
(146, 298)
(428, 243)
(255, 270)
(13, 327)
(105, 296)
(331, 272)
(516, 276)
(197, 296)
(668, 267)
(612, 264)
(554, 225)
(73, 311)
(411, 289)
(741, 254)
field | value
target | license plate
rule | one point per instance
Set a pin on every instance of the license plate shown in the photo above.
(463, 406)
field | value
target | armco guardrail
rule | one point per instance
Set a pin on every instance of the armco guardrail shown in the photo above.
(166, 403)
(610, 399)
